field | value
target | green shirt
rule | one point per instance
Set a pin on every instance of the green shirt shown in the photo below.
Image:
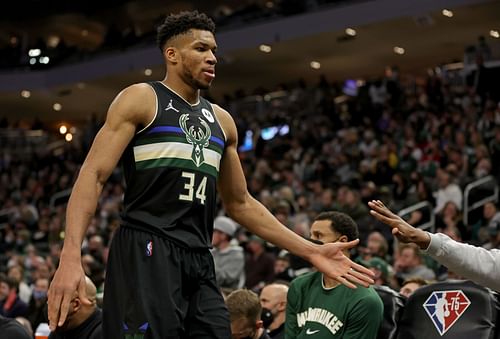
(315, 312)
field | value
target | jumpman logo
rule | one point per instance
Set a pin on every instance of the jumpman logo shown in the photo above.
(170, 106)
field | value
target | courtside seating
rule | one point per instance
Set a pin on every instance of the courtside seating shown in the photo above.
(393, 308)
(452, 309)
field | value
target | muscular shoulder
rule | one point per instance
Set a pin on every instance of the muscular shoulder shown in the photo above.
(227, 124)
(135, 104)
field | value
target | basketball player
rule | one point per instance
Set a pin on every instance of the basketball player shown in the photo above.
(177, 148)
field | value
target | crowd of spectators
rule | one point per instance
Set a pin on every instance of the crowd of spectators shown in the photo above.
(401, 139)
(121, 32)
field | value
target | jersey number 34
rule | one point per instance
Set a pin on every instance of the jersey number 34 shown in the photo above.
(190, 189)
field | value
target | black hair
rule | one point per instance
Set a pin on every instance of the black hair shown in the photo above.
(176, 24)
(341, 223)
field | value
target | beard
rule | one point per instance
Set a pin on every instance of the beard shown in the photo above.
(191, 80)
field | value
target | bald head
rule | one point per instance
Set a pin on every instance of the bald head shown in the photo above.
(273, 297)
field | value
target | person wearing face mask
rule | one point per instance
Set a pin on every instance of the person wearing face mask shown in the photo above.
(38, 302)
(273, 301)
(245, 315)
(320, 306)
(84, 320)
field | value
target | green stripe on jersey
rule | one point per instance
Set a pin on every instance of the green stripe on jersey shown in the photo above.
(178, 163)
(152, 139)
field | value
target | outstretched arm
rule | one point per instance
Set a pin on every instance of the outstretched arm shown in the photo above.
(247, 211)
(475, 263)
(132, 107)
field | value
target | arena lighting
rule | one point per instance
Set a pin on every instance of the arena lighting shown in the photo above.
(81, 85)
(44, 60)
(68, 137)
(53, 41)
(494, 34)
(447, 12)
(148, 72)
(63, 129)
(350, 31)
(13, 40)
(315, 65)
(34, 52)
(265, 48)
(399, 50)
(25, 94)
(85, 32)
(57, 106)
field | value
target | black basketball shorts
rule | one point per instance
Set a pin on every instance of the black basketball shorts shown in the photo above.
(156, 289)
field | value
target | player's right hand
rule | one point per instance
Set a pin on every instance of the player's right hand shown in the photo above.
(68, 279)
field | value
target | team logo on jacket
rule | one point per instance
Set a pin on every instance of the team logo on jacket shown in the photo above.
(445, 308)
(199, 137)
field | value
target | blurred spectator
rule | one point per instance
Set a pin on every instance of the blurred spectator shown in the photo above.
(38, 303)
(10, 304)
(282, 269)
(448, 191)
(229, 259)
(411, 285)
(492, 219)
(409, 264)
(16, 273)
(259, 264)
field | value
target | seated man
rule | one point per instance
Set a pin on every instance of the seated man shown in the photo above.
(245, 312)
(273, 300)
(84, 321)
(321, 306)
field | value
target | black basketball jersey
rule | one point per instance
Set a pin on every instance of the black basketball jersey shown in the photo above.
(171, 169)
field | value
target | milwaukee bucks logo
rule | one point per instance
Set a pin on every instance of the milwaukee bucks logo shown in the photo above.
(197, 137)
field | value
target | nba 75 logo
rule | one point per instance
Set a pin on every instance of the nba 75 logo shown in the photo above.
(445, 307)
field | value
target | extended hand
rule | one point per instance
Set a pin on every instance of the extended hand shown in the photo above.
(400, 228)
(68, 279)
(331, 261)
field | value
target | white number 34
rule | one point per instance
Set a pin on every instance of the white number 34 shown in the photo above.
(189, 187)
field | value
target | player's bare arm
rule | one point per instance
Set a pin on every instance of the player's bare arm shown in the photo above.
(132, 108)
(247, 211)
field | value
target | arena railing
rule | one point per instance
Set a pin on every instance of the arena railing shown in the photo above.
(489, 185)
(430, 225)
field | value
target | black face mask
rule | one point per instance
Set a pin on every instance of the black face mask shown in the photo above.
(267, 317)
(317, 242)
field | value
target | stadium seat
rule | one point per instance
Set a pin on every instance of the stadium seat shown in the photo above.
(452, 309)
(393, 308)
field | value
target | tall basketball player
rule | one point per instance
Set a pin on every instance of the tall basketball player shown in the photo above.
(177, 148)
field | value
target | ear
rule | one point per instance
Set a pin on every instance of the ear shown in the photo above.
(282, 306)
(171, 55)
(343, 238)
(76, 303)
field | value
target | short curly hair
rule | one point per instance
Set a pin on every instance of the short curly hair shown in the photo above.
(176, 24)
(340, 223)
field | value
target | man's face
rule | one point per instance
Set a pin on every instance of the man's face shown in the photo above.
(408, 258)
(197, 51)
(4, 290)
(269, 298)
(321, 230)
(408, 289)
